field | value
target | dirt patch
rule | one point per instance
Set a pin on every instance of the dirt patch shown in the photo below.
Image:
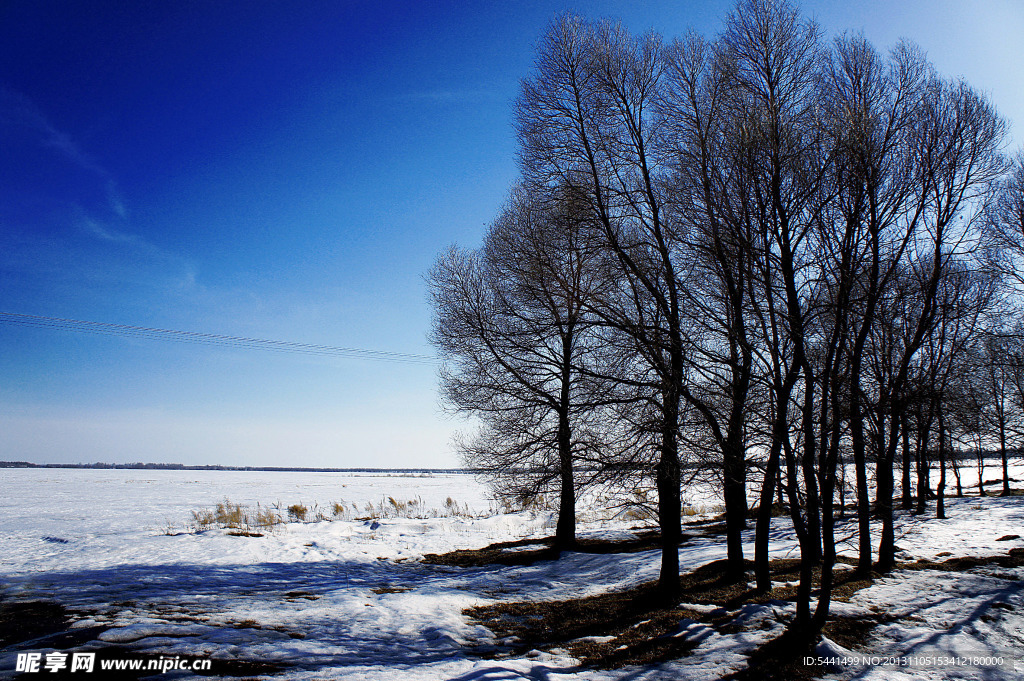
(530, 551)
(304, 595)
(389, 589)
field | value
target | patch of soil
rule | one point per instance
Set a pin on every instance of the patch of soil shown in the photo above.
(519, 553)
(389, 589)
(852, 632)
(296, 595)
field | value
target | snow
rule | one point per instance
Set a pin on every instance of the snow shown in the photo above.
(351, 598)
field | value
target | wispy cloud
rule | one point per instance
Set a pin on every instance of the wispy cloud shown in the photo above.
(106, 233)
(20, 116)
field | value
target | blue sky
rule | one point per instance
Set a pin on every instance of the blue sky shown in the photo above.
(288, 170)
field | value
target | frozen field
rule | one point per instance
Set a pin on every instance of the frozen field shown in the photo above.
(350, 599)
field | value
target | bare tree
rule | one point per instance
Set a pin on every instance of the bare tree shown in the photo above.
(710, 205)
(585, 119)
(1004, 225)
(511, 326)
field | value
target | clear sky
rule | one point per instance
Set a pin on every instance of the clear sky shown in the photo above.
(289, 171)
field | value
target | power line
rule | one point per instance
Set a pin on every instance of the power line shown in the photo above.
(241, 342)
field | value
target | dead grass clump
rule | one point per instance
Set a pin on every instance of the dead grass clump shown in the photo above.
(452, 509)
(240, 519)
(230, 515)
(266, 518)
(297, 513)
(391, 507)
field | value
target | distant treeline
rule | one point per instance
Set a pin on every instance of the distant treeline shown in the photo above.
(183, 467)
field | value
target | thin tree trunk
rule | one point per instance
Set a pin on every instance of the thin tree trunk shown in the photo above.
(884, 481)
(735, 495)
(955, 465)
(768, 487)
(981, 472)
(923, 463)
(861, 471)
(940, 492)
(762, 528)
(908, 500)
(1003, 456)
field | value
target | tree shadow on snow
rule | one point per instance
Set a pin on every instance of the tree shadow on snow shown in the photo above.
(272, 615)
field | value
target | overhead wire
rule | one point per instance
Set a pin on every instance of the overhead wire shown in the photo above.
(241, 342)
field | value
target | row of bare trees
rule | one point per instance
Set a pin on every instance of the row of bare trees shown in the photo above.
(763, 257)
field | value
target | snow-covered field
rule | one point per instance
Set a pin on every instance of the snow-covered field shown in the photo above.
(350, 599)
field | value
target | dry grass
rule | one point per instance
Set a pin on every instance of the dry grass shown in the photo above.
(608, 631)
(244, 521)
(636, 626)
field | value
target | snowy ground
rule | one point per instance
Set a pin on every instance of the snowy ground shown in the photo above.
(349, 599)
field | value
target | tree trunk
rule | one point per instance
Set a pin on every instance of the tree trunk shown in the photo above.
(669, 504)
(1003, 457)
(981, 472)
(884, 480)
(809, 465)
(565, 530)
(735, 494)
(861, 470)
(940, 492)
(762, 529)
(923, 464)
(908, 500)
(828, 559)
